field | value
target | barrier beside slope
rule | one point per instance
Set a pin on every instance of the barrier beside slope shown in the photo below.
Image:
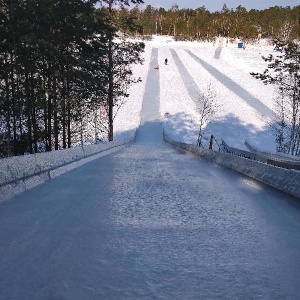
(20, 173)
(286, 180)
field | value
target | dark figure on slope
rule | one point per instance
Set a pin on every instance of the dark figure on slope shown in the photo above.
(166, 61)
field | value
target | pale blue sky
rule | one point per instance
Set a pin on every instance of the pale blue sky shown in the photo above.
(216, 5)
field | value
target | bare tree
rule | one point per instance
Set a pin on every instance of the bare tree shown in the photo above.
(280, 127)
(207, 108)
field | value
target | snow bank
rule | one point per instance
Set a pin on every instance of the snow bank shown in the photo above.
(20, 173)
(286, 180)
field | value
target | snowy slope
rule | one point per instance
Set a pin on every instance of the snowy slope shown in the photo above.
(184, 77)
(149, 222)
(191, 69)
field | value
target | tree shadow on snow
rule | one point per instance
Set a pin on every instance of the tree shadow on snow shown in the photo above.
(182, 127)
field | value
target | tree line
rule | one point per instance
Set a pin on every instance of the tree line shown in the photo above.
(61, 73)
(277, 22)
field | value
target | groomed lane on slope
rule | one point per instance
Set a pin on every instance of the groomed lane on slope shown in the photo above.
(230, 84)
(234, 121)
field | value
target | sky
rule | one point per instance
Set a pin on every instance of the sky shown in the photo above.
(216, 5)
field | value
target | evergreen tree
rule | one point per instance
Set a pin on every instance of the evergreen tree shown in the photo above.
(284, 71)
(52, 57)
(119, 58)
(148, 20)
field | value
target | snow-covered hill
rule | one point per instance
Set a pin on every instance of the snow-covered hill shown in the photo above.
(244, 108)
(245, 104)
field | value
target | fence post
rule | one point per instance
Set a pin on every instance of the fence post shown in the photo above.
(211, 142)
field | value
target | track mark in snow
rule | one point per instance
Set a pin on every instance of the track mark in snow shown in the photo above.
(219, 49)
(217, 53)
(234, 87)
(150, 130)
(188, 80)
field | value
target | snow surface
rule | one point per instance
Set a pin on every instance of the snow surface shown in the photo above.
(244, 103)
(235, 121)
(150, 222)
(21, 173)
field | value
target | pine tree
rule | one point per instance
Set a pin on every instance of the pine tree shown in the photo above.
(119, 57)
(52, 73)
(284, 71)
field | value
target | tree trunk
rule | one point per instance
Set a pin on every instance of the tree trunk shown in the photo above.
(110, 81)
(63, 109)
(33, 114)
(28, 112)
(55, 111)
(69, 114)
(49, 118)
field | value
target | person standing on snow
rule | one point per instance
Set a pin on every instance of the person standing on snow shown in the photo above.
(166, 61)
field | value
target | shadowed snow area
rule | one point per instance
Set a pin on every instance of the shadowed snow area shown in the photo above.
(150, 222)
(245, 95)
(188, 80)
(150, 130)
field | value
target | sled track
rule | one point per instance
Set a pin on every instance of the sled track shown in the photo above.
(187, 79)
(234, 87)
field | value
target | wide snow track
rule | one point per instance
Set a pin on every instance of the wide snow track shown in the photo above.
(150, 222)
(230, 84)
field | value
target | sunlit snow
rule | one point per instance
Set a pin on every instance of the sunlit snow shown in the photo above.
(152, 222)
(235, 120)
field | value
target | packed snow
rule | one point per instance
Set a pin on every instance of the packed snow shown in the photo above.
(235, 121)
(150, 222)
(244, 104)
